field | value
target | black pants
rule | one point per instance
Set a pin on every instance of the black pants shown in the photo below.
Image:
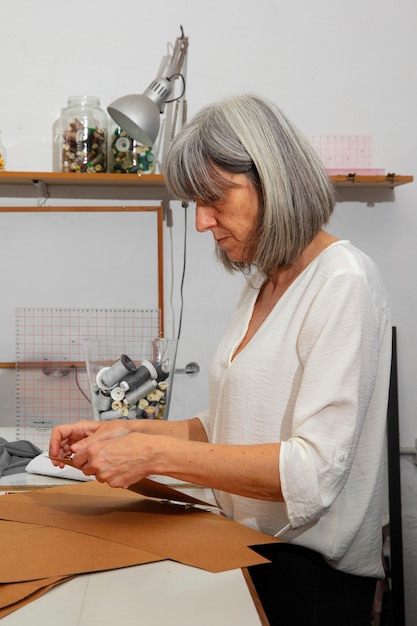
(298, 588)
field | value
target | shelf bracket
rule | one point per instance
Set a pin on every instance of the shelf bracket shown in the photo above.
(42, 192)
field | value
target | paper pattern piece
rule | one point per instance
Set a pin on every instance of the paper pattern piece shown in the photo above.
(14, 596)
(87, 553)
(147, 487)
(54, 533)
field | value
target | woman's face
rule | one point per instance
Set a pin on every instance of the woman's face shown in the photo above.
(231, 219)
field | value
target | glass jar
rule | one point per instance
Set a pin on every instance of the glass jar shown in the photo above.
(126, 155)
(3, 156)
(83, 136)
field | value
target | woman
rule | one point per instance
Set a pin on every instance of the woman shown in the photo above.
(292, 442)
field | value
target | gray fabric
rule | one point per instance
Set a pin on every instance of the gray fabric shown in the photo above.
(15, 455)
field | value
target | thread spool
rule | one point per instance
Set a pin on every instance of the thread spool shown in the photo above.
(108, 377)
(103, 401)
(150, 412)
(110, 415)
(140, 407)
(117, 393)
(132, 397)
(142, 373)
(162, 371)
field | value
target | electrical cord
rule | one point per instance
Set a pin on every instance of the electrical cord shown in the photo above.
(178, 75)
(77, 382)
(185, 207)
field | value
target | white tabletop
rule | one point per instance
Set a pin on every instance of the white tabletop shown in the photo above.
(153, 595)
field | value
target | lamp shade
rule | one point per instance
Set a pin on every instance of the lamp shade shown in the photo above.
(139, 114)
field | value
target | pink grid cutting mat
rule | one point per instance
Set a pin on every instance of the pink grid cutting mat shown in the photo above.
(346, 154)
(51, 378)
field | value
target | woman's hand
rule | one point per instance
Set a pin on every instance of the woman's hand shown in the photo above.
(119, 461)
(68, 438)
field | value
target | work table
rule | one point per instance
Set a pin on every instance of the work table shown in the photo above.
(152, 594)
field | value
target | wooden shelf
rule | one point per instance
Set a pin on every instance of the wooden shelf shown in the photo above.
(146, 182)
(53, 185)
(356, 180)
(79, 208)
(90, 180)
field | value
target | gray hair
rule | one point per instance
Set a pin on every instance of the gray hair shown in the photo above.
(249, 135)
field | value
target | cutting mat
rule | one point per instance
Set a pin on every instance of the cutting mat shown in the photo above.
(51, 378)
(344, 154)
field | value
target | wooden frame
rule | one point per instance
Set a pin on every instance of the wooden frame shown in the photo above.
(158, 209)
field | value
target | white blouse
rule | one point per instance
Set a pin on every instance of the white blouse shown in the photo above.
(315, 377)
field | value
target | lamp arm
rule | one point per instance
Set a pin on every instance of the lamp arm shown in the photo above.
(178, 55)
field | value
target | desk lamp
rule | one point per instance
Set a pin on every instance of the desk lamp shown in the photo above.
(139, 114)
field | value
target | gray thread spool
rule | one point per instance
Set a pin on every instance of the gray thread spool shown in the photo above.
(108, 377)
(110, 415)
(132, 397)
(142, 373)
(162, 370)
(103, 401)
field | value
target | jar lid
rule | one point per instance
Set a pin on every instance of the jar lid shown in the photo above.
(92, 101)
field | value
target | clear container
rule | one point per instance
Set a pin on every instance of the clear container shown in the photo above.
(3, 156)
(126, 155)
(83, 136)
(130, 378)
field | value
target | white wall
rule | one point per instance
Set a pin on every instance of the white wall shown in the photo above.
(335, 68)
